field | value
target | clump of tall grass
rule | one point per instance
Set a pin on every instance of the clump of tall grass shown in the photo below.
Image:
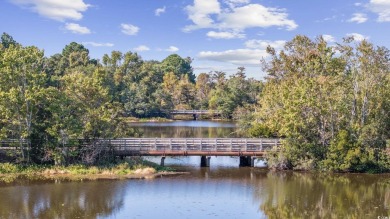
(6, 168)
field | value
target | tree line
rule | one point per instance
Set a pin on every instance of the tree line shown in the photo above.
(48, 101)
(329, 103)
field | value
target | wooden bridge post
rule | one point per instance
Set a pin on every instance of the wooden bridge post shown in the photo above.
(253, 159)
(162, 161)
(205, 161)
(245, 161)
(261, 144)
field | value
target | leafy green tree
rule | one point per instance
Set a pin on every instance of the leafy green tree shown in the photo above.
(179, 66)
(184, 94)
(203, 88)
(181, 91)
(74, 47)
(234, 93)
(88, 93)
(7, 41)
(143, 96)
(312, 94)
(22, 88)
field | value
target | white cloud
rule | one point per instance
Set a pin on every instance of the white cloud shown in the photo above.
(95, 44)
(251, 55)
(159, 11)
(172, 49)
(357, 36)
(237, 56)
(263, 44)
(358, 18)
(129, 29)
(329, 38)
(382, 8)
(210, 14)
(235, 3)
(225, 35)
(76, 28)
(141, 48)
(55, 9)
(256, 15)
(200, 13)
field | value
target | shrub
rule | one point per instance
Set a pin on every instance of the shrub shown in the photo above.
(8, 168)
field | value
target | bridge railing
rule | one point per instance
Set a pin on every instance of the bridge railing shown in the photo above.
(133, 146)
(191, 144)
(13, 143)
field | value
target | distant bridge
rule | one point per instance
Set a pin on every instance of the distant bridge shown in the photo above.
(245, 148)
(196, 113)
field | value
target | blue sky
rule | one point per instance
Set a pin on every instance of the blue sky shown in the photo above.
(218, 34)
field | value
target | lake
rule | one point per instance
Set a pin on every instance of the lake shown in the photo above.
(222, 191)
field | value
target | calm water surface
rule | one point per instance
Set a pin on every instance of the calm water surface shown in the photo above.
(184, 129)
(222, 191)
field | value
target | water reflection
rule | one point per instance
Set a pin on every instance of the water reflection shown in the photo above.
(223, 192)
(187, 129)
(189, 123)
(257, 193)
(300, 195)
(45, 199)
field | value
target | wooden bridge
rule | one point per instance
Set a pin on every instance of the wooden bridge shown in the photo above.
(196, 113)
(190, 146)
(245, 148)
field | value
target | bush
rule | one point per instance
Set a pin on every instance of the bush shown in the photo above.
(8, 168)
(347, 155)
(260, 130)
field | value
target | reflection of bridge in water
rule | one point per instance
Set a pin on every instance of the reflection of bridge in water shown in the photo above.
(246, 148)
(196, 113)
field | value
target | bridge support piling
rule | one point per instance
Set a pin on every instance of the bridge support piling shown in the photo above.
(194, 115)
(162, 161)
(246, 161)
(205, 161)
(253, 159)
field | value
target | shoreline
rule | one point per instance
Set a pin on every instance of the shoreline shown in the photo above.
(8, 178)
(132, 169)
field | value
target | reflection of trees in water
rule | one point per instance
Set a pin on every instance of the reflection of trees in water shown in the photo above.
(300, 195)
(62, 200)
(187, 132)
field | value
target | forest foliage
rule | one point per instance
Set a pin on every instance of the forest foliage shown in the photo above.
(48, 101)
(329, 103)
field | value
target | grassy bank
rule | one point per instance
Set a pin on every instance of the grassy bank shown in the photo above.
(133, 168)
